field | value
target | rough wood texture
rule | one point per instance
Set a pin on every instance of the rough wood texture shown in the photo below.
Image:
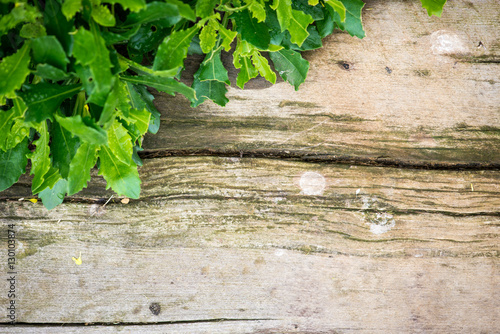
(288, 245)
(416, 88)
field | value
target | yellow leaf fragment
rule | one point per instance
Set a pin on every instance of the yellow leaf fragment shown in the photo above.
(33, 200)
(79, 260)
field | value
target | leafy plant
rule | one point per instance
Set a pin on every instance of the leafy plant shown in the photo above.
(74, 74)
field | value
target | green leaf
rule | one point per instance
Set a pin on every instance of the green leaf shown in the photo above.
(353, 23)
(137, 123)
(213, 69)
(63, 147)
(263, 67)
(14, 70)
(116, 38)
(13, 164)
(32, 30)
(52, 197)
(209, 89)
(152, 12)
(22, 12)
(50, 72)
(120, 143)
(148, 38)
(173, 50)
(296, 22)
(205, 8)
(103, 16)
(117, 98)
(7, 119)
(40, 160)
(140, 99)
(208, 36)
(251, 30)
(83, 128)
(313, 2)
(257, 10)
(44, 99)
(97, 63)
(290, 66)
(227, 37)
(247, 71)
(56, 24)
(133, 5)
(339, 7)
(434, 7)
(70, 8)
(167, 85)
(184, 9)
(47, 49)
(79, 170)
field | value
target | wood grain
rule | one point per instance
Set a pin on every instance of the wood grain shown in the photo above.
(416, 89)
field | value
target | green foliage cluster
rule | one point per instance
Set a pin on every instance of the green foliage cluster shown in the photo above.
(74, 74)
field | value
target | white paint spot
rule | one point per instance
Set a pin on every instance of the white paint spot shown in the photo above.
(357, 192)
(312, 183)
(279, 252)
(444, 42)
(381, 223)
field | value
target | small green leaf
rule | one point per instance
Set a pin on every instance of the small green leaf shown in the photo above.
(337, 6)
(247, 71)
(140, 99)
(117, 98)
(52, 197)
(122, 178)
(43, 99)
(137, 123)
(7, 119)
(83, 128)
(251, 30)
(353, 23)
(208, 36)
(47, 49)
(298, 26)
(173, 50)
(14, 70)
(22, 12)
(50, 72)
(290, 66)
(227, 37)
(13, 164)
(79, 171)
(116, 38)
(213, 69)
(63, 147)
(120, 143)
(133, 5)
(313, 2)
(209, 89)
(263, 67)
(184, 9)
(32, 30)
(70, 8)
(154, 11)
(205, 8)
(40, 160)
(103, 16)
(434, 7)
(167, 85)
(257, 10)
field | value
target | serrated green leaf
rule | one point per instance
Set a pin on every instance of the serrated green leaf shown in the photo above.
(257, 10)
(63, 147)
(433, 7)
(247, 71)
(83, 128)
(50, 179)
(56, 24)
(120, 143)
(50, 72)
(137, 123)
(353, 23)
(97, 62)
(43, 99)
(148, 38)
(79, 171)
(117, 99)
(47, 49)
(167, 85)
(209, 89)
(13, 164)
(140, 99)
(313, 2)
(252, 31)
(70, 8)
(208, 36)
(7, 119)
(14, 70)
(40, 160)
(205, 8)
(133, 5)
(263, 67)
(122, 178)
(103, 16)
(337, 6)
(184, 9)
(154, 11)
(52, 197)
(290, 66)
(315, 12)
(22, 12)
(173, 50)
(213, 69)
(123, 36)
(32, 30)
(227, 37)
(296, 22)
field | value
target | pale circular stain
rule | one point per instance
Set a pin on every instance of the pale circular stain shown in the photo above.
(312, 183)
(443, 42)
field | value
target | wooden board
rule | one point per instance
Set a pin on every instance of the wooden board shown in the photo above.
(286, 212)
(416, 89)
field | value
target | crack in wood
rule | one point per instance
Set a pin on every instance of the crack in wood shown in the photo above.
(321, 158)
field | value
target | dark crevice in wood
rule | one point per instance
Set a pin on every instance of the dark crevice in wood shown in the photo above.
(90, 324)
(322, 158)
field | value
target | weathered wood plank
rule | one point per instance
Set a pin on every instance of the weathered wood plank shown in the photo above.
(295, 243)
(416, 88)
